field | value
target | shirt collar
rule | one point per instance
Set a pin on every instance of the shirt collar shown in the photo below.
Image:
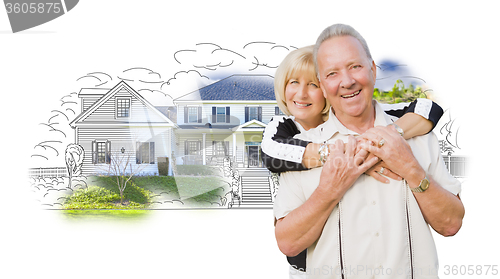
(335, 126)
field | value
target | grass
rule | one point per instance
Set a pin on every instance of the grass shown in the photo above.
(102, 197)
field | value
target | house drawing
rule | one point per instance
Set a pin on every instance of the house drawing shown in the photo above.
(120, 120)
(221, 121)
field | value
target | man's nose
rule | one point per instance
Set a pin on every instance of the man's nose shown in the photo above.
(347, 80)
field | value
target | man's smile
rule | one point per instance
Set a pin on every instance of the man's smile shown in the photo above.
(351, 95)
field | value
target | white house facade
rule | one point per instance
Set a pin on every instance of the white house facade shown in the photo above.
(225, 119)
(120, 123)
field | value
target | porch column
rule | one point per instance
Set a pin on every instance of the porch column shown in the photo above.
(234, 146)
(203, 148)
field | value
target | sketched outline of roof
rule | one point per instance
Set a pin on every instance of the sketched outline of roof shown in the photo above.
(226, 83)
(112, 92)
(246, 125)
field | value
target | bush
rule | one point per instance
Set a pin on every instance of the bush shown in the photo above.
(92, 197)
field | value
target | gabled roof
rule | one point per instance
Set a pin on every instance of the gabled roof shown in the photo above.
(122, 85)
(252, 125)
(235, 88)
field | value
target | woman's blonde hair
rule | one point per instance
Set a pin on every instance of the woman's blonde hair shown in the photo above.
(299, 61)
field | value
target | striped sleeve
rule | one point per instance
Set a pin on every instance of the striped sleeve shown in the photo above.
(280, 151)
(423, 107)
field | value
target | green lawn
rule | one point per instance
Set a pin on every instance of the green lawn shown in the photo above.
(142, 192)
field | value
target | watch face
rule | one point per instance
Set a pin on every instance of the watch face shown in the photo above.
(425, 184)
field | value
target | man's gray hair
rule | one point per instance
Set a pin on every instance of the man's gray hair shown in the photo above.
(338, 30)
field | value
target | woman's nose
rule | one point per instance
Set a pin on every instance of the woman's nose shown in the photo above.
(302, 91)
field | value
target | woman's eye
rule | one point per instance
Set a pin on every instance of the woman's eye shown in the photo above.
(314, 85)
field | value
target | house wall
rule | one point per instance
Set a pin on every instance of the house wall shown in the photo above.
(87, 102)
(237, 111)
(209, 138)
(138, 111)
(125, 137)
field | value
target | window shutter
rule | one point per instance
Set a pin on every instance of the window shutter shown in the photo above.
(214, 115)
(228, 115)
(186, 145)
(138, 152)
(186, 114)
(151, 152)
(246, 114)
(199, 114)
(94, 152)
(108, 152)
(260, 114)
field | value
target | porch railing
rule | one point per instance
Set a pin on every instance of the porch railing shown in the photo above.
(456, 165)
(48, 172)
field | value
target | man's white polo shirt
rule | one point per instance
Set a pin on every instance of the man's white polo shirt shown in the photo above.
(377, 230)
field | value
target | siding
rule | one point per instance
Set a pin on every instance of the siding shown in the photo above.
(126, 138)
(138, 111)
(237, 113)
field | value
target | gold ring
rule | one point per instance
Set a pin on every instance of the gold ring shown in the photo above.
(381, 143)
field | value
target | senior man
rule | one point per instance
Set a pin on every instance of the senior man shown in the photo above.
(352, 225)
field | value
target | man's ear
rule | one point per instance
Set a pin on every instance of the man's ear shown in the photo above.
(374, 70)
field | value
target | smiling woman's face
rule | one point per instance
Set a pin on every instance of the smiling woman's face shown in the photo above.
(305, 100)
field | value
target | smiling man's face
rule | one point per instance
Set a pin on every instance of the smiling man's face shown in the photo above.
(347, 76)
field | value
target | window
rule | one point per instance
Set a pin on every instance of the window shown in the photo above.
(145, 153)
(101, 152)
(221, 115)
(192, 114)
(253, 113)
(122, 108)
(192, 147)
(220, 148)
(277, 111)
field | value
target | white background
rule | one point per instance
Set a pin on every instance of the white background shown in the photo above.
(452, 45)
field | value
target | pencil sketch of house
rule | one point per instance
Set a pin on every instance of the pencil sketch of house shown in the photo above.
(120, 120)
(221, 121)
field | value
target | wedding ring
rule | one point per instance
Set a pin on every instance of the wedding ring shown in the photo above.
(382, 170)
(381, 143)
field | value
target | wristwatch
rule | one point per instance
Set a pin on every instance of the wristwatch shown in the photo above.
(424, 185)
(399, 129)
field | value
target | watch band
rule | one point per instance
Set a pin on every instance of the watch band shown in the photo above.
(424, 185)
(323, 152)
(399, 129)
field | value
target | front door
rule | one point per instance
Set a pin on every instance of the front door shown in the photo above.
(253, 155)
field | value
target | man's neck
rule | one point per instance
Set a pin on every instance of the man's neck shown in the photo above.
(361, 123)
